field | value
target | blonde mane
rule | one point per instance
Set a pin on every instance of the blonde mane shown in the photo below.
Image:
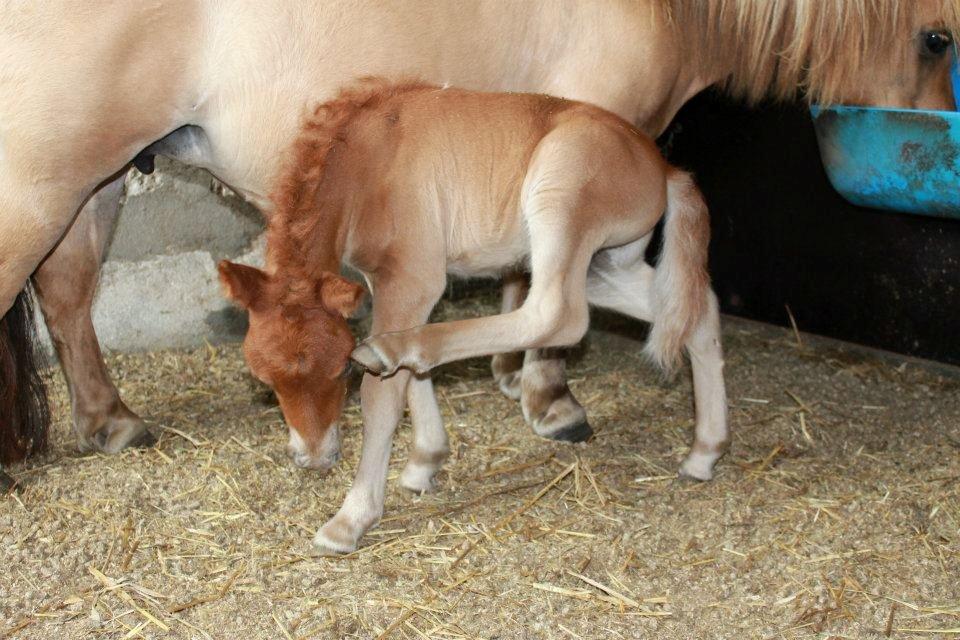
(775, 47)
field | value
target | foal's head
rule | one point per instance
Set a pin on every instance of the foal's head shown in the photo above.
(299, 343)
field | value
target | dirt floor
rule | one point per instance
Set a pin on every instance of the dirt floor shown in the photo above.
(835, 515)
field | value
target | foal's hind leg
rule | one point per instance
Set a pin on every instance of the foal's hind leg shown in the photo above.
(619, 279)
(548, 404)
(554, 314)
(66, 282)
(538, 379)
(508, 367)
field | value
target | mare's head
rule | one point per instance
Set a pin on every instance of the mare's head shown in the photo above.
(299, 343)
(892, 53)
(915, 72)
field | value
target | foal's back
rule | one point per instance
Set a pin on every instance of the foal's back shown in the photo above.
(423, 159)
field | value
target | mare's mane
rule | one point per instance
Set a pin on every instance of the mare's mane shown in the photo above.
(773, 47)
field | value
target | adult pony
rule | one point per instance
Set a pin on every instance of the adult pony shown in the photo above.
(87, 87)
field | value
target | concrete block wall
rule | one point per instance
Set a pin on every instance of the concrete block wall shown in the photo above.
(159, 285)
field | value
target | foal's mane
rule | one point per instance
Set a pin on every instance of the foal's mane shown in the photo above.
(773, 47)
(295, 200)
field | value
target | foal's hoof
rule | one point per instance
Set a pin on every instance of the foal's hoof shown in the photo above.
(565, 421)
(418, 479)
(333, 539)
(580, 432)
(697, 467)
(368, 358)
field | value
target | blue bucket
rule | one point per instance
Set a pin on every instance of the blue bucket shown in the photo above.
(896, 159)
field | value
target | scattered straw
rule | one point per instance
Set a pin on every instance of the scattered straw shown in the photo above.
(830, 517)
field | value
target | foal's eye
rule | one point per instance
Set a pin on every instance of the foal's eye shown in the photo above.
(935, 43)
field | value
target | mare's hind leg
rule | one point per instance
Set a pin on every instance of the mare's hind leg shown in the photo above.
(548, 405)
(430, 445)
(619, 279)
(66, 282)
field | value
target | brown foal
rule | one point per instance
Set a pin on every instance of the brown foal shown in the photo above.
(409, 182)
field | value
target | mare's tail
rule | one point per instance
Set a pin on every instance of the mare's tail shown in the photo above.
(24, 412)
(681, 283)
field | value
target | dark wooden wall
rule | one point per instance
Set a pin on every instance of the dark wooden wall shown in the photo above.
(782, 236)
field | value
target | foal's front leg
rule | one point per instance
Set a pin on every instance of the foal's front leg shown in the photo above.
(381, 400)
(402, 302)
(430, 445)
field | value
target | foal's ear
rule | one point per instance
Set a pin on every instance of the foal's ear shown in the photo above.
(242, 284)
(339, 295)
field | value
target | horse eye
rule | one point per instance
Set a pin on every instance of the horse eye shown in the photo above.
(935, 43)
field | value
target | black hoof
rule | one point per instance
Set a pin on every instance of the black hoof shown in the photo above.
(579, 432)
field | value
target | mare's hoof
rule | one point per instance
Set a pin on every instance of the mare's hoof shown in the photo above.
(117, 433)
(508, 372)
(510, 384)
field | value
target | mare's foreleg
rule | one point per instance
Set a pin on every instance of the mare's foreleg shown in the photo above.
(66, 283)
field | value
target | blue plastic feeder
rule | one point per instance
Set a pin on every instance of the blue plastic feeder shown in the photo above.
(897, 159)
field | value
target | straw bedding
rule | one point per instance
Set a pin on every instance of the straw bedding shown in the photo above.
(836, 513)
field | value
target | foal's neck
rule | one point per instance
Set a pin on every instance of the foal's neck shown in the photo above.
(311, 243)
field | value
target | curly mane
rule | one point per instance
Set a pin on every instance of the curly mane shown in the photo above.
(295, 197)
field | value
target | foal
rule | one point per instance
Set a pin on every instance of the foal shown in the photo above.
(409, 182)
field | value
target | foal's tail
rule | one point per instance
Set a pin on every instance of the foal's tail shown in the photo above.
(24, 412)
(681, 283)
